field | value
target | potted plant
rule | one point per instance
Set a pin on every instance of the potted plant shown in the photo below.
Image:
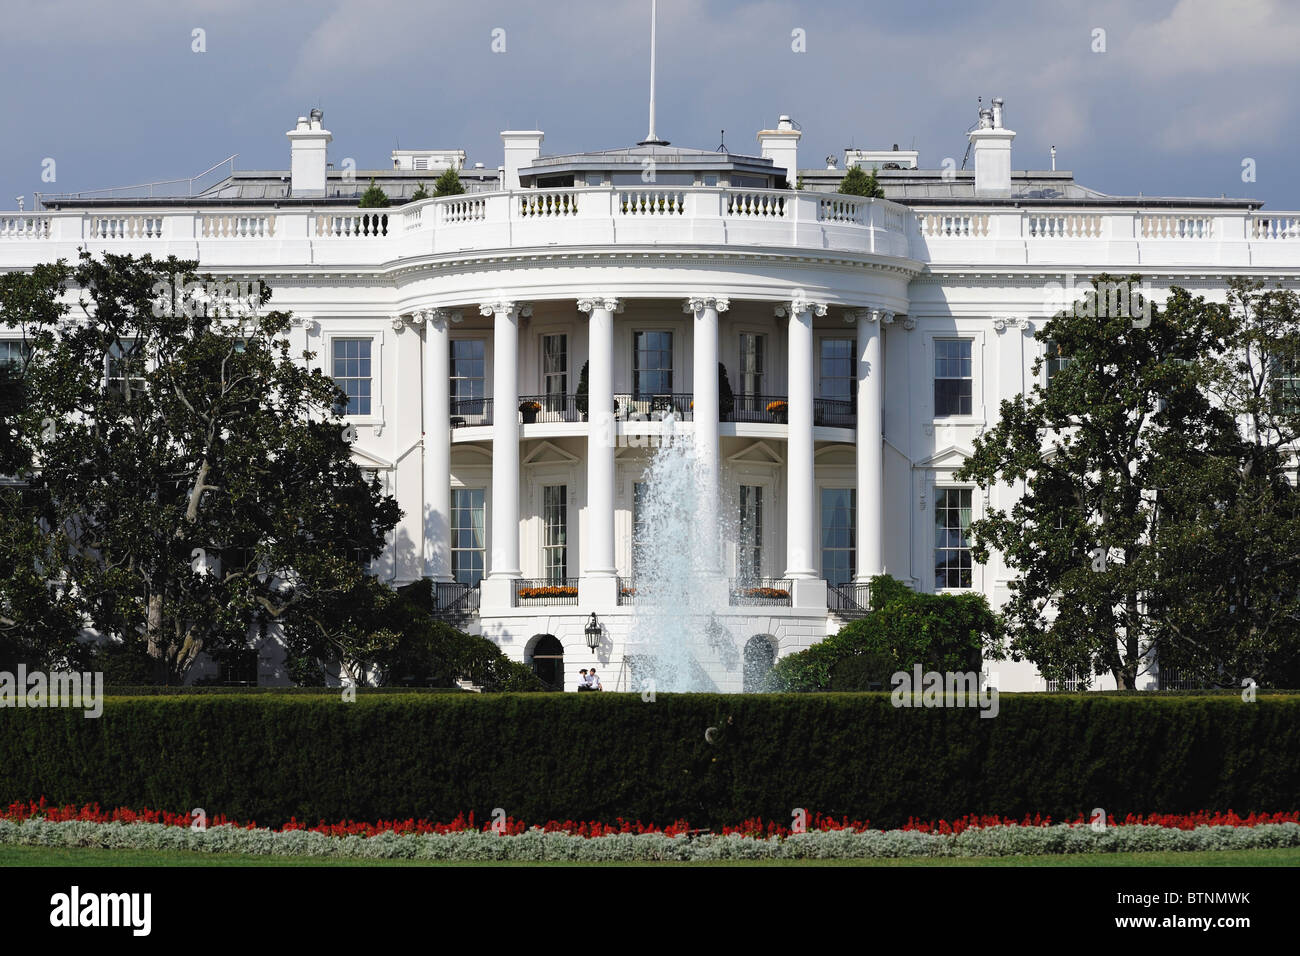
(779, 411)
(529, 409)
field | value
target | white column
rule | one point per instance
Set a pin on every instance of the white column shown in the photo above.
(437, 442)
(871, 443)
(504, 519)
(704, 378)
(598, 556)
(801, 488)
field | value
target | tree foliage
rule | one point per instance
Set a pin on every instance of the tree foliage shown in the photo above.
(942, 632)
(1135, 535)
(448, 184)
(189, 478)
(373, 198)
(858, 183)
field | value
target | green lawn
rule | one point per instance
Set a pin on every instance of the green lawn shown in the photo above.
(48, 856)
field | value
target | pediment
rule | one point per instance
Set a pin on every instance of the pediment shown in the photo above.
(952, 456)
(757, 453)
(370, 460)
(547, 454)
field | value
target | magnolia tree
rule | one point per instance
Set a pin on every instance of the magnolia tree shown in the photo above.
(1149, 524)
(186, 480)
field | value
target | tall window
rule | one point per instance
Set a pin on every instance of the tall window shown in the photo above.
(467, 376)
(652, 363)
(555, 365)
(749, 552)
(638, 518)
(839, 534)
(1056, 360)
(838, 375)
(751, 363)
(952, 377)
(555, 523)
(1286, 385)
(123, 367)
(14, 352)
(952, 557)
(352, 374)
(468, 538)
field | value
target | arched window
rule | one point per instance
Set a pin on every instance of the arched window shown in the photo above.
(760, 655)
(545, 654)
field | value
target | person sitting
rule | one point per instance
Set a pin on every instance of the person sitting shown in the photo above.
(584, 682)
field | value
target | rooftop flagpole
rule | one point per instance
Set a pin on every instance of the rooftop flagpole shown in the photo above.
(651, 138)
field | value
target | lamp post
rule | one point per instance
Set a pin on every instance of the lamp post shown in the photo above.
(592, 630)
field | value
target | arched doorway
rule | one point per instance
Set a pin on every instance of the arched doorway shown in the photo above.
(545, 655)
(760, 655)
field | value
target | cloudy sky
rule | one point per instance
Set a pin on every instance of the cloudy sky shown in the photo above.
(1183, 93)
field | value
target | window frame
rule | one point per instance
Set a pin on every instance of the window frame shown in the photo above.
(452, 378)
(454, 549)
(670, 351)
(851, 378)
(941, 489)
(852, 548)
(936, 378)
(379, 339)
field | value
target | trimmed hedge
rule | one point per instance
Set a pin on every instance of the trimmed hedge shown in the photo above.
(270, 757)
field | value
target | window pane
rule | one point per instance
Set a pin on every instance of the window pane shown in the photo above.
(351, 372)
(839, 381)
(839, 538)
(953, 383)
(952, 554)
(468, 535)
(652, 363)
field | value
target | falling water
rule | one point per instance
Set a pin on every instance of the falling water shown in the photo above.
(675, 633)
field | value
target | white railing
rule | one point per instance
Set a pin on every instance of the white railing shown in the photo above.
(651, 202)
(24, 227)
(842, 209)
(1177, 226)
(350, 225)
(467, 209)
(237, 226)
(1062, 225)
(126, 227)
(534, 203)
(955, 225)
(1286, 226)
(764, 204)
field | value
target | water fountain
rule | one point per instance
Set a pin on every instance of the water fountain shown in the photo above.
(676, 638)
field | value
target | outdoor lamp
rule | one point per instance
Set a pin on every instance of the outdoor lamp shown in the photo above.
(592, 630)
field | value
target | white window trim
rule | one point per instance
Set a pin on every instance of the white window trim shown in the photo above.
(484, 335)
(934, 481)
(378, 338)
(976, 337)
(829, 335)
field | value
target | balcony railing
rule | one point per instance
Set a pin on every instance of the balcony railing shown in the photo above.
(454, 602)
(531, 592)
(753, 408)
(627, 592)
(550, 408)
(849, 600)
(467, 412)
(760, 592)
(650, 408)
(834, 412)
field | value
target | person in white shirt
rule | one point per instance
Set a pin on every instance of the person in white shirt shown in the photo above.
(593, 680)
(584, 682)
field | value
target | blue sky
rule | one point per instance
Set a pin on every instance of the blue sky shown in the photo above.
(1184, 92)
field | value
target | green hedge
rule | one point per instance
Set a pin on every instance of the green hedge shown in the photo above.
(600, 756)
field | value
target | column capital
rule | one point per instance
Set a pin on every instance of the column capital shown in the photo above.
(799, 304)
(1014, 321)
(399, 323)
(505, 307)
(697, 303)
(439, 319)
(608, 303)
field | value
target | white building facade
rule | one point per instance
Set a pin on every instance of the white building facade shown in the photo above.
(513, 356)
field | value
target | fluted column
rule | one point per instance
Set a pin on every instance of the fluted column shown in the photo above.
(870, 442)
(598, 557)
(437, 441)
(504, 518)
(704, 376)
(801, 489)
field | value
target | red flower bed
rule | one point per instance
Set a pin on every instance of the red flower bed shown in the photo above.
(754, 827)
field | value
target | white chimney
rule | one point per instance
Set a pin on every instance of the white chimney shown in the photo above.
(307, 146)
(522, 146)
(781, 146)
(992, 147)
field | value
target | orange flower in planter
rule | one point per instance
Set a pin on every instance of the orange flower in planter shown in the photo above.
(777, 406)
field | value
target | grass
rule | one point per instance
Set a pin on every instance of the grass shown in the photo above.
(93, 857)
